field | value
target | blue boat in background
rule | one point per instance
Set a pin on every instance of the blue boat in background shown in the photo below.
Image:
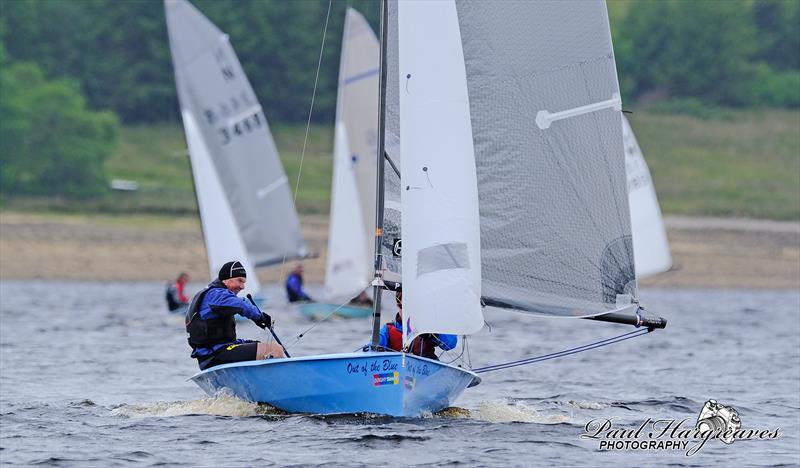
(319, 310)
(370, 382)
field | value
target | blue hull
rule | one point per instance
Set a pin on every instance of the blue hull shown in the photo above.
(343, 383)
(318, 310)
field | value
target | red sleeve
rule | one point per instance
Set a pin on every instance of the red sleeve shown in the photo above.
(181, 296)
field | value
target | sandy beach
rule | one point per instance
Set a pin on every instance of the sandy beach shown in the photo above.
(707, 252)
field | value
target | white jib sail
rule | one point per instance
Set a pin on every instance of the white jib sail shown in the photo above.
(347, 270)
(441, 226)
(650, 247)
(222, 238)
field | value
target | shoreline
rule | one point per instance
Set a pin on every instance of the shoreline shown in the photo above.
(706, 252)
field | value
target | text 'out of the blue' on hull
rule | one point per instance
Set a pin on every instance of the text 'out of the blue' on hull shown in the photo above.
(379, 383)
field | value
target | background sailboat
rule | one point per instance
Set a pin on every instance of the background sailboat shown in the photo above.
(513, 195)
(650, 247)
(348, 267)
(242, 192)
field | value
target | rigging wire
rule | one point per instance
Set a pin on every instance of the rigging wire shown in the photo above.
(566, 352)
(308, 121)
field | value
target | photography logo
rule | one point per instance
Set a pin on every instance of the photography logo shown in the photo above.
(716, 421)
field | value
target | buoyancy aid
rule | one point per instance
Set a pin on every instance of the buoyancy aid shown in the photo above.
(172, 304)
(423, 345)
(395, 337)
(209, 332)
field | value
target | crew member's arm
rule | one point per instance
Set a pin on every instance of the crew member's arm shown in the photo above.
(447, 342)
(383, 337)
(225, 303)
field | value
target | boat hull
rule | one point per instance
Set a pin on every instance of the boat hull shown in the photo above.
(379, 383)
(319, 310)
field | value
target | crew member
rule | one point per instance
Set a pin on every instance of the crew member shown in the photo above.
(391, 336)
(211, 325)
(294, 285)
(177, 301)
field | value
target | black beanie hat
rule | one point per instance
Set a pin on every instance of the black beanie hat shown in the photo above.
(232, 270)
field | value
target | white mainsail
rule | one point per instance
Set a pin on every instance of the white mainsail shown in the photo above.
(529, 89)
(348, 268)
(650, 247)
(242, 190)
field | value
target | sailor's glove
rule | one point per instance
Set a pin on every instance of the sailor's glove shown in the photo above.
(264, 322)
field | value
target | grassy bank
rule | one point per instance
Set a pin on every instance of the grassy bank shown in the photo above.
(744, 163)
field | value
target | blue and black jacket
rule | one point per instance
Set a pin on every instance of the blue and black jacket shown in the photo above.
(210, 320)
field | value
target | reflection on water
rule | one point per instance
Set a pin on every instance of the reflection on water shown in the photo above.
(100, 372)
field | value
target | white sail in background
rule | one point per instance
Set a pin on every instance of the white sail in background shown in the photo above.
(231, 143)
(650, 246)
(222, 239)
(348, 268)
(441, 226)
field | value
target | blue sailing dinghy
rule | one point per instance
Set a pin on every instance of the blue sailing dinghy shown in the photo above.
(380, 383)
(512, 195)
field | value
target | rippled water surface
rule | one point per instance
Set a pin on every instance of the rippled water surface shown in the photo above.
(95, 375)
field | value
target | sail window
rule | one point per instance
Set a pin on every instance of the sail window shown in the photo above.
(450, 256)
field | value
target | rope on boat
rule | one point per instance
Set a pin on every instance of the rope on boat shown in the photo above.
(308, 121)
(566, 352)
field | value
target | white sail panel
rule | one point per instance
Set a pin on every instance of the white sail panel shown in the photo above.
(347, 268)
(213, 88)
(357, 108)
(223, 242)
(441, 235)
(650, 246)
(555, 223)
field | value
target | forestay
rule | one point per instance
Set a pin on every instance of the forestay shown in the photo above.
(227, 127)
(352, 220)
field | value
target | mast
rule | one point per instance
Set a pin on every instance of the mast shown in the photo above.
(378, 282)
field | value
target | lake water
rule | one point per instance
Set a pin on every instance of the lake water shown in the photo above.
(95, 375)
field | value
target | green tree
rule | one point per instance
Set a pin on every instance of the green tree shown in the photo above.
(50, 144)
(690, 49)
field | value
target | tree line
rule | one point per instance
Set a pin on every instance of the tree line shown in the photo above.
(108, 58)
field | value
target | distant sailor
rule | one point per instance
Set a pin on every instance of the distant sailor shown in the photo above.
(211, 325)
(294, 286)
(177, 302)
(391, 336)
